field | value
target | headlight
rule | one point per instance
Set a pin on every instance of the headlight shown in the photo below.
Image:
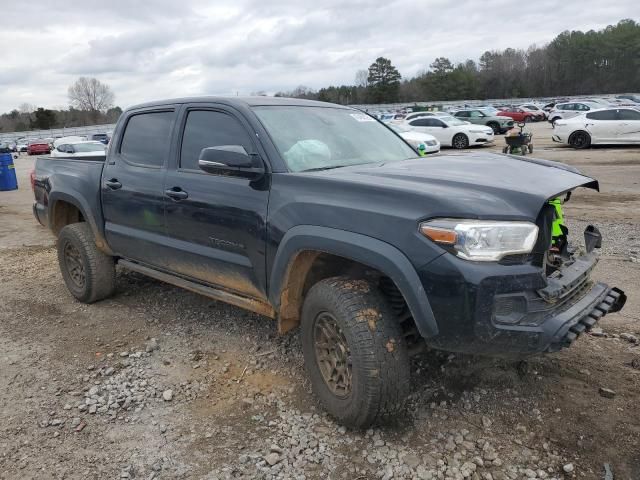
(431, 143)
(480, 240)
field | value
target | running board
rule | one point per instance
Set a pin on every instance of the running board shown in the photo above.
(251, 304)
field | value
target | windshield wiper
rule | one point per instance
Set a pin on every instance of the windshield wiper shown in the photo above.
(318, 169)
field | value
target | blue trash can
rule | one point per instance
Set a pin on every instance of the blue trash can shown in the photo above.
(8, 180)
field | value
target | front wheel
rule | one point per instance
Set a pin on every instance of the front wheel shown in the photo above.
(354, 351)
(580, 140)
(89, 274)
(460, 141)
(495, 127)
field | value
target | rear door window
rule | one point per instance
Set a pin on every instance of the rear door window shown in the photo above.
(602, 115)
(420, 122)
(625, 114)
(146, 138)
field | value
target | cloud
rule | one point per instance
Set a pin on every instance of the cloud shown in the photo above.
(164, 48)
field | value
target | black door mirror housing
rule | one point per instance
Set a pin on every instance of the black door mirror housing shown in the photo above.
(231, 160)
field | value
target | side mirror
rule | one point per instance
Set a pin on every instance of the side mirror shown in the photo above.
(230, 160)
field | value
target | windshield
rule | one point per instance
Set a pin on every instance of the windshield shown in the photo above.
(451, 121)
(317, 138)
(88, 147)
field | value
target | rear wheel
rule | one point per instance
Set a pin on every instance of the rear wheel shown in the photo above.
(460, 141)
(354, 351)
(580, 140)
(88, 273)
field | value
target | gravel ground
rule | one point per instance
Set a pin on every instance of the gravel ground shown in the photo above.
(161, 383)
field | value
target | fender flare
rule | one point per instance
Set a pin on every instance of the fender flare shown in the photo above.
(360, 248)
(75, 199)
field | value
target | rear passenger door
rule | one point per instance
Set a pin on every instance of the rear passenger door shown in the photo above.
(133, 187)
(217, 230)
(628, 130)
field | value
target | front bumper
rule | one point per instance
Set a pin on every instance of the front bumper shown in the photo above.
(513, 310)
(481, 138)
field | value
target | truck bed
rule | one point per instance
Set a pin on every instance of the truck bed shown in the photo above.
(78, 177)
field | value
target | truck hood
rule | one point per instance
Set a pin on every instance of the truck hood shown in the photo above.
(468, 185)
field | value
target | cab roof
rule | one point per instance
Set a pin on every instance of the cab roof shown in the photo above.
(239, 102)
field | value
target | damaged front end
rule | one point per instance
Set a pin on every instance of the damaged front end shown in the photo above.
(567, 271)
(523, 304)
(570, 302)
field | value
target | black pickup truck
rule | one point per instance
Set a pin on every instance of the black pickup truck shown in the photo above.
(321, 217)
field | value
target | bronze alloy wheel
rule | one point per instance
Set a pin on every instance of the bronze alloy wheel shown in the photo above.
(73, 262)
(332, 355)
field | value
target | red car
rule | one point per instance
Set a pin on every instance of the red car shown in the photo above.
(518, 114)
(38, 147)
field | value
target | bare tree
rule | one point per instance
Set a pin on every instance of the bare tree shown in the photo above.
(91, 95)
(362, 78)
(27, 108)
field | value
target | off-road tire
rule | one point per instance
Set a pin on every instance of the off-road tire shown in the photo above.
(378, 353)
(98, 269)
(460, 141)
(580, 140)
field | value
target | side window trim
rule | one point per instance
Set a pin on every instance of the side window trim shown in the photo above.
(124, 131)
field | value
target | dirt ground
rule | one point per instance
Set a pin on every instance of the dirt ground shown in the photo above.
(157, 382)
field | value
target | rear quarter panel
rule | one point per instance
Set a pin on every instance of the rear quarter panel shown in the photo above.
(76, 181)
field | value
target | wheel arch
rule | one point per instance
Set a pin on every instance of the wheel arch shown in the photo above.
(66, 208)
(304, 246)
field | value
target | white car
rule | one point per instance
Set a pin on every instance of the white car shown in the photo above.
(69, 139)
(415, 115)
(422, 141)
(602, 126)
(451, 132)
(86, 148)
(571, 109)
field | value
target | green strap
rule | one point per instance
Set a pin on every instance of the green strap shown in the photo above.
(558, 223)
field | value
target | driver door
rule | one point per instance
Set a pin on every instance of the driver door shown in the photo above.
(216, 224)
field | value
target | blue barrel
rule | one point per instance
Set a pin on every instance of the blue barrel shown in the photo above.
(8, 180)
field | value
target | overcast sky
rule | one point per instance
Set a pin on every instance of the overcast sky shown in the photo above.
(171, 48)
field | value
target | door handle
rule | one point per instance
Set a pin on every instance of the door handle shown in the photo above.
(113, 184)
(176, 193)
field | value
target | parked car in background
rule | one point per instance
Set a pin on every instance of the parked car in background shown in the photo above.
(633, 98)
(571, 109)
(9, 145)
(22, 145)
(499, 124)
(419, 140)
(414, 115)
(599, 127)
(85, 148)
(536, 109)
(69, 139)
(100, 137)
(453, 132)
(519, 114)
(38, 147)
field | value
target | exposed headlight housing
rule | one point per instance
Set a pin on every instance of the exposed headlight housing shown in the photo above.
(480, 240)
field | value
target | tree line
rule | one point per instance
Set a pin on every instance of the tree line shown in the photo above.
(573, 63)
(91, 103)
